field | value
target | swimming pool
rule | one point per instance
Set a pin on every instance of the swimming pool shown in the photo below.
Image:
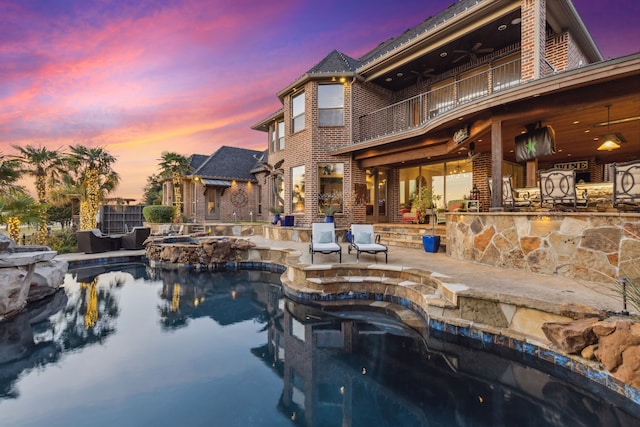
(131, 346)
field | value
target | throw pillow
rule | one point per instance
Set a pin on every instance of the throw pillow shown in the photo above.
(363, 238)
(325, 237)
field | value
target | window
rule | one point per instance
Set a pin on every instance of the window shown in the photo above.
(506, 74)
(473, 85)
(259, 188)
(281, 135)
(330, 187)
(330, 105)
(441, 98)
(272, 138)
(297, 112)
(297, 189)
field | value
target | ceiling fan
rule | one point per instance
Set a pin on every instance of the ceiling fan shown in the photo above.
(426, 74)
(472, 53)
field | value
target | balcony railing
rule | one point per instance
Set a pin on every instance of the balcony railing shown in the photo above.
(420, 109)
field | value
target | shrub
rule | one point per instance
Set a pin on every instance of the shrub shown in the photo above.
(158, 213)
(63, 241)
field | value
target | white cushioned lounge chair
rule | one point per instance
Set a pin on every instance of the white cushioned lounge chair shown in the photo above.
(364, 240)
(323, 239)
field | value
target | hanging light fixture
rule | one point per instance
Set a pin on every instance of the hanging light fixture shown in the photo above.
(611, 142)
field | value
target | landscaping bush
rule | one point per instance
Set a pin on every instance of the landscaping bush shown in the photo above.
(158, 213)
(63, 241)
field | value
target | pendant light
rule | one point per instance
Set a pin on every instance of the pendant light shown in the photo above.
(611, 142)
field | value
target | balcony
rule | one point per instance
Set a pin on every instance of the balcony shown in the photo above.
(419, 110)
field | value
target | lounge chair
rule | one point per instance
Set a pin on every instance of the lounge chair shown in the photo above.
(626, 185)
(93, 241)
(135, 238)
(324, 240)
(510, 200)
(558, 187)
(364, 240)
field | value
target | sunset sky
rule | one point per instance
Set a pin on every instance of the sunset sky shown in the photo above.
(139, 77)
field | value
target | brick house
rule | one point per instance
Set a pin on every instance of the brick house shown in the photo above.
(226, 186)
(441, 106)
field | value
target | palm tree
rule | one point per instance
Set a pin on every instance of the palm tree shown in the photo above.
(274, 173)
(9, 174)
(46, 166)
(16, 209)
(91, 170)
(175, 166)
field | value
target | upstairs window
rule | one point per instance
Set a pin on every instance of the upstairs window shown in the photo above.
(281, 135)
(272, 138)
(330, 105)
(297, 113)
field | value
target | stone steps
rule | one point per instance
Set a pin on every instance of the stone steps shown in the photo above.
(409, 236)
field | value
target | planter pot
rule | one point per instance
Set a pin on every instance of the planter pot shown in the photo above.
(276, 219)
(431, 243)
(328, 219)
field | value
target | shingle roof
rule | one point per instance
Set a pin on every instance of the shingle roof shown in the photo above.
(196, 160)
(411, 33)
(335, 62)
(230, 163)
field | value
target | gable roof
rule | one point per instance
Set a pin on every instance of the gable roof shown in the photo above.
(229, 163)
(335, 62)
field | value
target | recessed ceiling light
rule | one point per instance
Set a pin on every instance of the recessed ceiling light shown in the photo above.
(502, 27)
(388, 79)
(587, 131)
(399, 74)
(575, 122)
(516, 21)
(443, 54)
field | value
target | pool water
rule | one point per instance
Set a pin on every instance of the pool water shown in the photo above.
(141, 347)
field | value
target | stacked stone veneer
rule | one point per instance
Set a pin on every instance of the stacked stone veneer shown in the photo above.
(598, 247)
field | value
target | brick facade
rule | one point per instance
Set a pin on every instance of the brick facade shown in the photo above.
(539, 52)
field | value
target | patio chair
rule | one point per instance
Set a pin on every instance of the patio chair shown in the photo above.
(135, 238)
(558, 187)
(626, 185)
(93, 241)
(324, 240)
(510, 200)
(410, 216)
(364, 240)
(452, 206)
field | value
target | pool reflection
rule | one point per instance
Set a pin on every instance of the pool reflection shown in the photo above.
(332, 365)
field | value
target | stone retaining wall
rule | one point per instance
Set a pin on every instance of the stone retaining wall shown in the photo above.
(598, 247)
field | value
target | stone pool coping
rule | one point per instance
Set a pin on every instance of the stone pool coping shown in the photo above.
(492, 319)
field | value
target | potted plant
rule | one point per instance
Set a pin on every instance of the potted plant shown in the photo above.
(425, 201)
(276, 211)
(329, 212)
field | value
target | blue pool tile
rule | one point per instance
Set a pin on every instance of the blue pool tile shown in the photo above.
(633, 394)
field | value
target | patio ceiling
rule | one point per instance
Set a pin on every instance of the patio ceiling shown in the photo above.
(574, 105)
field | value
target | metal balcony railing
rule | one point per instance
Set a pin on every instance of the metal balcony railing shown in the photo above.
(420, 109)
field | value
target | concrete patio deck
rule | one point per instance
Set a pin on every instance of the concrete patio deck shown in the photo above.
(493, 281)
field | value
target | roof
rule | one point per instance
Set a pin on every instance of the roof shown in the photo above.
(196, 160)
(335, 62)
(229, 163)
